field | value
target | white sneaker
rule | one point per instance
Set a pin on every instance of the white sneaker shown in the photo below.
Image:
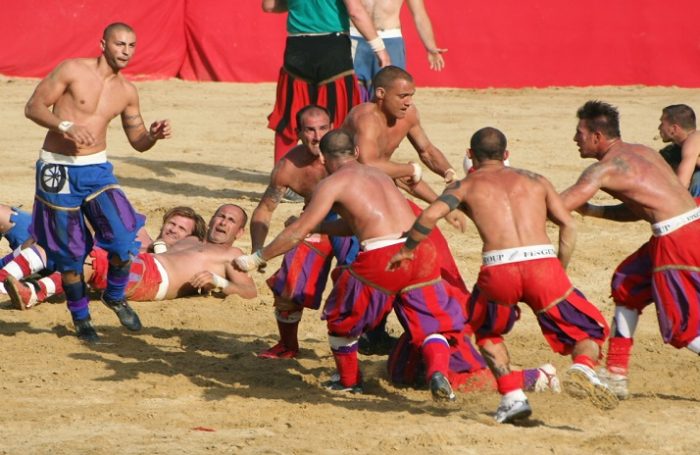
(547, 379)
(615, 382)
(581, 381)
(511, 409)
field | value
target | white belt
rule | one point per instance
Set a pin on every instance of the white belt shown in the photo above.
(519, 254)
(164, 281)
(381, 242)
(667, 226)
(74, 160)
(388, 33)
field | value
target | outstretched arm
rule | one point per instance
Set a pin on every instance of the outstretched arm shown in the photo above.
(260, 220)
(425, 31)
(363, 22)
(430, 154)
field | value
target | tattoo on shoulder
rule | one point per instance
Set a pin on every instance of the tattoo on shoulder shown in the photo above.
(454, 185)
(620, 164)
(449, 199)
(529, 174)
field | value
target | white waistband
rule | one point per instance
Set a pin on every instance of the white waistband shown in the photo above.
(667, 226)
(82, 160)
(381, 242)
(519, 254)
(388, 33)
(164, 281)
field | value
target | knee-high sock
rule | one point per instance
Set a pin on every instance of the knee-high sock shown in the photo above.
(47, 286)
(510, 382)
(28, 261)
(77, 300)
(345, 355)
(620, 343)
(117, 280)
(288, 325)
(436, 353)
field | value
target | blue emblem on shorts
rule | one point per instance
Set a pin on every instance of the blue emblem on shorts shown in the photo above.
(53, 179)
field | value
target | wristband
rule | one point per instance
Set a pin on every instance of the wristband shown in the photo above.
(220, 283)
(159, 246)
(450, 176)
(417, 172)
(64, 126)
(377, 44)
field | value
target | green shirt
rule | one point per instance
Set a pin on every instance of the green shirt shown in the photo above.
(317, 16)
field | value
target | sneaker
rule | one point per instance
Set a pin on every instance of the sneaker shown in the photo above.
(127, 316)
(22, 295)
(547, 379)
(85, 331)
(278, 351)
(335, 385)
(581, 381)
(292, 197)
(615, 382)
(440, 388)
(511, 410)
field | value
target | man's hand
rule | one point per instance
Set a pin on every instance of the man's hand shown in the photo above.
(398, 258)
(249, 262)
(290, 220)
(202, 280)
(417, 173)
(80, 135)
(160, 129)
(437, 63)
(457, 219)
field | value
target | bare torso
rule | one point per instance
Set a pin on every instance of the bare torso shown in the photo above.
(368, 200)
(508, 207)
(639, 176)
(385, 14)
(300, 171)
(367, 124)
(190, 256)
(91, 100)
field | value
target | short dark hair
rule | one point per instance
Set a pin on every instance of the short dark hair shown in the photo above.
(601, 117)
(488, 144)
(681, 115)
(337, 143)
(387, 75)
(116, 26)
(311, 108)
(200, 226)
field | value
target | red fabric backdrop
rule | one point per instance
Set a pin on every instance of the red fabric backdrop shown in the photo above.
(500, 43)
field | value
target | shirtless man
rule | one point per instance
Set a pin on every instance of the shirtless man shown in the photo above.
(663, 270)
(378, 128)
(74, 180)
(189, 266)
(678, 126)
(178, 223)
(372, 208)
(385, 15)
(510, 208)
(301, 279)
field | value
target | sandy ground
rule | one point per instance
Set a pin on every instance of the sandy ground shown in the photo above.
(190, 381)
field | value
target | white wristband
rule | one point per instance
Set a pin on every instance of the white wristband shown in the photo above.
(250, 261)
(159, 246)
(450, 175)
(377, 44)
(220, 283)
(64, 126)
(417, 172)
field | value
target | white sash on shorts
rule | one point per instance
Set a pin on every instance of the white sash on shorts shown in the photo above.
(519, 254)
(667, 226)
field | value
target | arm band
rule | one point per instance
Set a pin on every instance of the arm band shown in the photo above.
(451, 201)
(159, 246)
(377, 44)
(219, 282)
(411, 243)
(421, 229)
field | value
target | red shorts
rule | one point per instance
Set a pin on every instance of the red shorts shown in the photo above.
(144, 275)
(665, 270)
(304, 272)
(563, 313)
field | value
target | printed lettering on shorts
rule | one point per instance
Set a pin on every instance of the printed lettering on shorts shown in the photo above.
(53, 178)
(526, 253)
(666, 227)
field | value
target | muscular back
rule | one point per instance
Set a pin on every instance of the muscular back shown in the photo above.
(82, 95)
(508, 206)
(638, 176)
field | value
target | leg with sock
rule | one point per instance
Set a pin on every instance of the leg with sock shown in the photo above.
(436, 353)
(29, 260)
(77, 301)
(581, 380)
(30, 293)
(620, 345)
(349, 378)
(288, 326)
(114, 296)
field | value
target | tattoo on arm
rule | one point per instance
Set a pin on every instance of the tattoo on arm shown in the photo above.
(132, 121)
(451, 201)
(274, 194)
